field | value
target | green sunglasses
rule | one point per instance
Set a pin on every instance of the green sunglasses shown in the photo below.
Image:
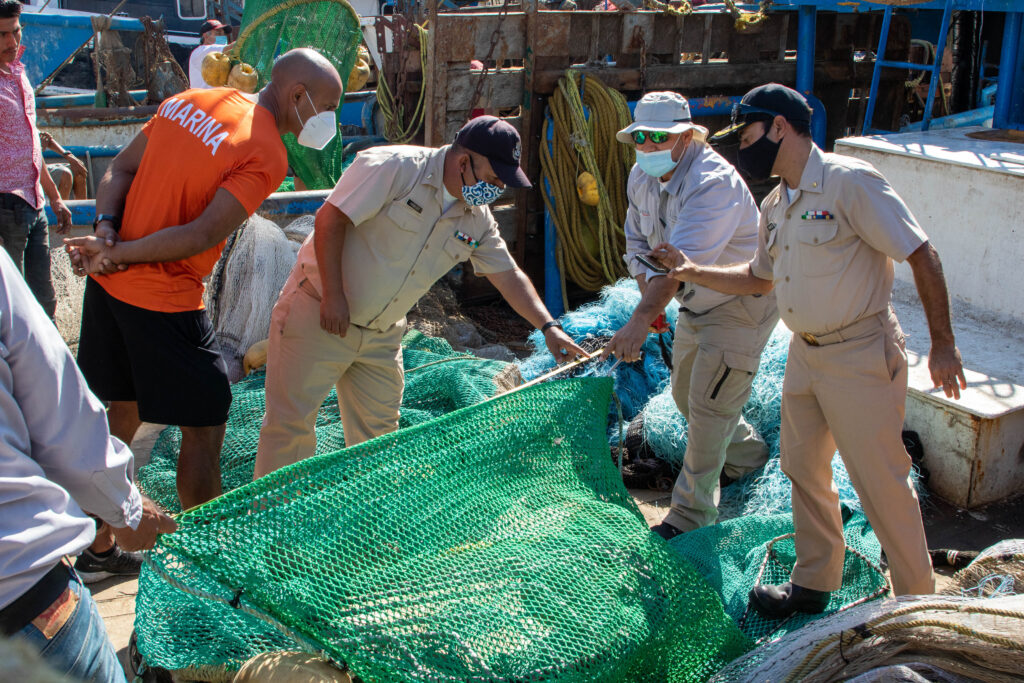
(655, 136)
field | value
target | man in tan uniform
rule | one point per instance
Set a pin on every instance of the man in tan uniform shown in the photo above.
(682, 192)
(399, 219)
(828, 237)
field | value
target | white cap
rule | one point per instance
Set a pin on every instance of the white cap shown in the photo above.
(666, 111)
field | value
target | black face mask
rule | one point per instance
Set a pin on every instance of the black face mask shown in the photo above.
(757, 159)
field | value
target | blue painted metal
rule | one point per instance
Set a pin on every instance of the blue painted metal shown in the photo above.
(50, 38)
(1009, 112)
(805, 49)
(83, 100)
(287, 204)
(552, 275)
(934, 81)
(974, 117)
(857, 6)
(80, 152)
(819, 119)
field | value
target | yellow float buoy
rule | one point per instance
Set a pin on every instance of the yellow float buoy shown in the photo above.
(586, 188)
(243, 77)
(215, 69)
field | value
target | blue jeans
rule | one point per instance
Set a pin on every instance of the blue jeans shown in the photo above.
(81, 649)
(23, 233)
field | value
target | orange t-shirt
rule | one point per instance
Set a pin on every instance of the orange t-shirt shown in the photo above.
(198, 142)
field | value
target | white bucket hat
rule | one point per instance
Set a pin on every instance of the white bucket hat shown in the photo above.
(665, 111)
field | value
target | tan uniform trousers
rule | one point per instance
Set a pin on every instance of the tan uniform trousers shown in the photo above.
(852, 394)
(714, 360)
(304, 362)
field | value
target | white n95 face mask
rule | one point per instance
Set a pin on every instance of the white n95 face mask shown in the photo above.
(318, 129)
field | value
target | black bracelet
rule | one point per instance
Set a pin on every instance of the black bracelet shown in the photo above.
(549, 324)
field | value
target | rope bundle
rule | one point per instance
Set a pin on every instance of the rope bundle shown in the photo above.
(585, 116)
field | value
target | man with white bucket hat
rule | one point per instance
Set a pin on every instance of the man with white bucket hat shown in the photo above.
(682, 192)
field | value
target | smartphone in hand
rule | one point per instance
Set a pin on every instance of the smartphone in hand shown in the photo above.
(651, 263)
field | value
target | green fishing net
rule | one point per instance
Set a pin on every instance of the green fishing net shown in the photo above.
(494, 543)
(736, 555)
(438, 380)
(331, 27)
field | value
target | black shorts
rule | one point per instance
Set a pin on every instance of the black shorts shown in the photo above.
(167, 362)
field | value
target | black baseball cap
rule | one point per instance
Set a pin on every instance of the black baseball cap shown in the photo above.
(499, 141)
(764, 103)
(211, 25)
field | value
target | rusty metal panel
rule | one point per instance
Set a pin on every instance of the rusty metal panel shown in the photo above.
(500, 89)
(463, 37)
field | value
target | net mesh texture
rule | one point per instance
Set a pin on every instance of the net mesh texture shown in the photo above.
(495, 543)
(438, 380)
(331, 27)
(492, 472)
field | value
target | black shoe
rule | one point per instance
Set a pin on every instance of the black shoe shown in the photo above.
(779, 602)
(93, 568)
(666, 531)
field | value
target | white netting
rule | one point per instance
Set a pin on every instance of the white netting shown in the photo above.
(69, 289)
(245, 284)
(980, 639)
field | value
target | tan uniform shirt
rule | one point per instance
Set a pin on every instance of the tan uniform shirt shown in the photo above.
(830, 251)
(401, 243)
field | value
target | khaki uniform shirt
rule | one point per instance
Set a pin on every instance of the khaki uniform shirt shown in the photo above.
(830, 250)
(401, 243)
(705, 210)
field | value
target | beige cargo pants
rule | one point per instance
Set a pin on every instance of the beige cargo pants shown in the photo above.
(714, 358)
(304, 362)
(852, 395)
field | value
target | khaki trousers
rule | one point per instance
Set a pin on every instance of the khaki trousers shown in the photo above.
(852, 395)
(304, 362)
(714, 359)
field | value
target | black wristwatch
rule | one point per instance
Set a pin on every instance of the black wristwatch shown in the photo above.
(100, 217)
(549, 324)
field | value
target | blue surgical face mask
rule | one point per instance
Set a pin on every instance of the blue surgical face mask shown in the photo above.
(655, 164)
(220, 40)
(481, 192)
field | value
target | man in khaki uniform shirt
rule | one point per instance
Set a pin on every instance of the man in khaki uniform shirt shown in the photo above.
(399, 219)
(683, 192)
(829, 234)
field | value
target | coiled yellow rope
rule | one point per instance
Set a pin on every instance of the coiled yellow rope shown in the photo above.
(395, 129)
(591, 240)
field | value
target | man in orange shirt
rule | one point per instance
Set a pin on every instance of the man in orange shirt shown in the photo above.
(200, 166)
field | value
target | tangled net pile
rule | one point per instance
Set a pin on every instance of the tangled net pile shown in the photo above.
(646, 395)
(495, 543)
(489, 539)
(438, 381)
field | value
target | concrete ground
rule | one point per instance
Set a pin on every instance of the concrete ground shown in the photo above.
(946, 527)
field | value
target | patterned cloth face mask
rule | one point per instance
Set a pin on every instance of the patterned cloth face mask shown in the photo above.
(481, 192)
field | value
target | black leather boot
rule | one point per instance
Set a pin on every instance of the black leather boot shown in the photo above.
(666, 530)
(778, 602)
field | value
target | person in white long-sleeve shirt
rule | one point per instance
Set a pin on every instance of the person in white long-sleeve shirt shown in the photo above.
(57, 458)
(212, 38)
(683, 192)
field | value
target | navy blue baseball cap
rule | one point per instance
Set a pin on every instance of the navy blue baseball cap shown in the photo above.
(499, 141)
(764, 103)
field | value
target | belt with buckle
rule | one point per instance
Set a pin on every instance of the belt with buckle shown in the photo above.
(844, 333)
(35, 600)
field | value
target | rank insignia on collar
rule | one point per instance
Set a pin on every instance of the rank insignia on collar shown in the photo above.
(770, 227)
(817, 216)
